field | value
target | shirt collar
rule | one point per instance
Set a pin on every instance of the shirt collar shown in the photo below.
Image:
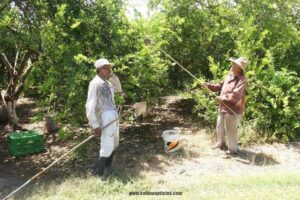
(100, 78)
(234, 77)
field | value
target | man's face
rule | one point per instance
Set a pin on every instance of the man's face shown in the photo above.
(106, 70)
(235, 68)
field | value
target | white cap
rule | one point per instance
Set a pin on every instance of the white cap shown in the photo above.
(102, 62)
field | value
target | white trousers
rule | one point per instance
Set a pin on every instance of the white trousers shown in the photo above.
(228, 125)
(109, 135)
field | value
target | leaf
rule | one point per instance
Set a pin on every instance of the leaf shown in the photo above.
(75, 25)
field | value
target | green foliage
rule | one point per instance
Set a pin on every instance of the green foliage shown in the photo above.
(73, 39)
(273, 101)
(64, 134)
(145, 74)
(20, 26)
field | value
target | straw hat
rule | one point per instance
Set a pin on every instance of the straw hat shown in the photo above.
(241, 62)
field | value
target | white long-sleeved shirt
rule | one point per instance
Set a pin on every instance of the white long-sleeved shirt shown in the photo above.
(100, 99)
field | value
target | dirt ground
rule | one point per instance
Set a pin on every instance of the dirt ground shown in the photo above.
(141, 150)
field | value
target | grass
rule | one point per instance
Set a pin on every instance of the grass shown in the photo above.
(247, 187)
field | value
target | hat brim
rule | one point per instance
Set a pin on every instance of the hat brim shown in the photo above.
(111, 64)
(236, 62)
(108, 64)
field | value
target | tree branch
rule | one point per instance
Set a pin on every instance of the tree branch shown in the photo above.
(12, 30)
(24, 61)
(12, 72)
(3, 7)
(23, 79)
(3, 97)
(17, 57)
(8, 65)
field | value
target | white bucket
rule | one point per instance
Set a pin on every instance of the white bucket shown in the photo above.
(171, 136)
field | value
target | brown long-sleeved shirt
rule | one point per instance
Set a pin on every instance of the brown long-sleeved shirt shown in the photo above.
(233, 93)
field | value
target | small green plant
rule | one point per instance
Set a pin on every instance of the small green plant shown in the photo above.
(64, 134)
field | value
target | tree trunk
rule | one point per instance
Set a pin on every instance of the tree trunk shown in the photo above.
(11, 106)
(4, 116)
(18, 74)
(9, 110)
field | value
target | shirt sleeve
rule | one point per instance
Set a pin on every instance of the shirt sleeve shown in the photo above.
(215, 87)
(237, 93)
(116, 83)
(91, 104)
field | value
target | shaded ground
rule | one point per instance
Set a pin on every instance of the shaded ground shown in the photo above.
(141, 150)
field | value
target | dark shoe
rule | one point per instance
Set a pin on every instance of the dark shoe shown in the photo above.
(110, 160)
(224, 147)
(100, 165)
(230, 152)
(103, 178)
(220, 146)
(107, 173)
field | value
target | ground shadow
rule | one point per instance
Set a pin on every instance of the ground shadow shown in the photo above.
(295, 145)
(26, 110)
(254, 158)
(142, 147)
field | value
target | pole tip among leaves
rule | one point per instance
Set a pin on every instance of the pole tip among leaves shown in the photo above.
(148, 42)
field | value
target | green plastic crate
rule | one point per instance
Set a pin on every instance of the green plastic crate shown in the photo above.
(22, 143)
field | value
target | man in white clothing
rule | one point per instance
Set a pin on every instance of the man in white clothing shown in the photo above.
(100, 111)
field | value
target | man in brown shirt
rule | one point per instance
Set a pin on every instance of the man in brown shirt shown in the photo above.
(232, 104)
